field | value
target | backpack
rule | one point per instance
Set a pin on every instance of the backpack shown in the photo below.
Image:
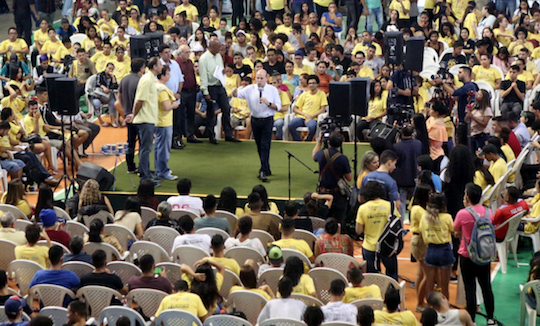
(390, 241)
(482, 247)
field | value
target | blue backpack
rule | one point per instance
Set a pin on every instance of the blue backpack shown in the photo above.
(481, 248)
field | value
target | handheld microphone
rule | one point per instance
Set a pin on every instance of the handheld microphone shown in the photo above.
(260, 93)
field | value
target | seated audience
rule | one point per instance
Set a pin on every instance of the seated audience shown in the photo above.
(275, 259)
(163, 218)
(31, 250)
(228, 201)
(76, 245)
(513, 92)
(5, 293)
(447, 316)
(302, 283)
(316, 205)
(91, 201)
(46, 200)
(103, 277)
(13, 308)
(149, 279)
(8, 232)
(511, 207)
(244, 228)
(209, 220)
(189, 237)
(208, 287)
(54, 229)
(365, 316)
(267, 206)
(284, 306)
(249, 281)
(288, 242)
(183, 299)
(292, 211)
(146, 196)
(336, 309)
(16, 196)
(358, 291)
(218, 248)
(96, 235)
(313, 316)
(333, 241)
(130, 217)
(261, 222)
(392, 315)
(184, 200)
(77, 313)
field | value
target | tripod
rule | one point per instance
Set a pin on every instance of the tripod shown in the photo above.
(65, 177)
(291, 155)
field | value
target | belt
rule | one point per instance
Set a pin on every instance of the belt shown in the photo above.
(326, 190)
(262, 119)
(416, 233)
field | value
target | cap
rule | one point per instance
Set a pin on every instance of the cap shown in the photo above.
(47, 217)
(275, 255)
(13, 305)
(299, 53)
(240, 32)
(43, 58)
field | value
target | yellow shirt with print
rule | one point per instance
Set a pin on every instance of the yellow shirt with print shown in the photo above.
(87, 44)
(376, 106)
(304, 70)
(417, 212)
(100, 60)
(18, 45)
(165, 118)
(38, 254)
(498, 169)
(116, 42)
(214, 22)
(52, 46)
(285, 100)
(295, 244)
(229, 264)
(107, 27)
(364, 47)
(311, 103)
(258, 291)
(362, 292)
(121, 69)
(41, 37)
(17, 105)
(437, 232)
(468, 23)
(397, 6)
(514, 47)
(365, 72)
(29, 125)
(282, 28)
(510, 156)
(62, 52)
(241, 104)
(190, 10)
(488, 75)
(403, 318)
(373, 216)
(186, 301)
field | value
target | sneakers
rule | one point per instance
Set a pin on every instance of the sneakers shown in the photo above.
(453, 279)
(136, 171)
(492, 322)
(170, 177)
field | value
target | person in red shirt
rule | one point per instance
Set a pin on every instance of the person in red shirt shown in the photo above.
(325, 79)
(53, 228)
(499, 123)
(511, 207)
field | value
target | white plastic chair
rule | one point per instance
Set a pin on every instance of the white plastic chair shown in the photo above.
(271, 277)
(307, 236)
(188, 255)
(80, 268)
(147, 214)
(54, 243)
(376, 304)
(230, 279)
(51, 295)
(212, 232)
(112, 252)
(282, 322)
(97, 298)
(383, 282)
(226, 320)
(265, 237)
(147, 299)
(322, 277)
(307, 299)
(8, 249)
(14, 210)
(502, 247)
(57, 314)
(121, 233)
(104, 216)
(176, 317)
(231, 218)
(242, 253)
(24, 273)
(90, 85)
(76, 228)
(77, 38)
(173, 271)
(4, 179)
(291, 252)
(110, 315)
(340, 262)
(20, 225)
(525, 310)
(141, 247)
(124, 270)
(249, 302)
(317, 222)
(162, 235)
(61, 213)
(178, 213)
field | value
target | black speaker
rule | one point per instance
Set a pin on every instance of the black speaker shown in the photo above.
(414, 54)
(67, 96)
(92, 171)
(360, 96)
(145, 46)
(339, 100)
(393, 48)
(156, 39)
(51, 90)
(385, 132)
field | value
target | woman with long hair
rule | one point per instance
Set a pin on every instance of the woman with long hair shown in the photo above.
(351, 39)
(332, 18)
(376, 109)
(468, 43)
(434, 42)
(208, 289)
(256, 43)
(370, 163)
(522, 9)
(317, 205)
(17, 79)
(146, 196)
(302, 17)
(46, 200)
(324, 78)
(228, 201)
(524, 21)
(88, 43)
(436, 228)
(448, 34)
(16, 196)
(482, 176)
(503, 60)
(437, 129)
(479, 117)
(91, 201)
(96, 235)
(528, 118)
(85, 24)
(302, 283)
(249, 281)
(418, 246)
(391, 25)
(419, 123)
(130, 216)
(198, 38)
(135, 20)
(470, 21)
(329, 36)
(269, 206)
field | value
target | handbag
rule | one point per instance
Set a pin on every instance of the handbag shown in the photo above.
(34, 139)
(100, 94)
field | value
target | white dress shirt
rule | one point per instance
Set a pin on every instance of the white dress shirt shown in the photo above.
(252, 94)
(339, 311)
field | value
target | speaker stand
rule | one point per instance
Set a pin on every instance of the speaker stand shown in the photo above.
(65, 177)
(114, 172)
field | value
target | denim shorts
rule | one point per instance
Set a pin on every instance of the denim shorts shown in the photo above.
(12, 165)
(439, 255)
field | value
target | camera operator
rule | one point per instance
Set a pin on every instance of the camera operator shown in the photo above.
(402, 86)
(333, 167)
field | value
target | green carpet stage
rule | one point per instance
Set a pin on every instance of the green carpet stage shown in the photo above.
(211, 168)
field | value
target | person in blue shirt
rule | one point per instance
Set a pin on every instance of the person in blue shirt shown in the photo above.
(200, 117)
(76, 245)
(387, 165)
(65, 29)
(56, 275)
(426, 163)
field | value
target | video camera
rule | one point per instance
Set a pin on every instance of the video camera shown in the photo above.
(401, 112)
(327, 126)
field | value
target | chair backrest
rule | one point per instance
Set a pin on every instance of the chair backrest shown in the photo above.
(430, 56)
(176, 317)
(376, 304)
(173, 271)
(76, 228)
(340, 262)
(383, 282)
(249, 302)
(282, 322)
(317, 222)
(112, 252)
(212, 232)
(62, 213)
(265, 237)
(104, 216)
(16, 212)
(78, 267)
(533, 286)
(97, 298)
(337, 323)
(77, 37)
(276, 217)
(147, 214)
(54, 243)
(307, 299)
(20, 225)
(24, 272)
(51, 295)
(188, 255)
(121, 233)
(307, 236)
(178, 213)
(147, 299)
(512, 224)
(124, 270)
(57, 314)
(142, 247)
(242, 253)
(233, 220)
(230, 279)
(271, 277)
(291, 252)
(322, 277)
(113, 313)
(4, 318)
(162, 235)
(226, 320)
(8, 249)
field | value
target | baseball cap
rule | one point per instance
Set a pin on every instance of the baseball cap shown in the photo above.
(240, 32)
(299, 53)
(48, 217)
(43, 58)
(275, 255)
(13, 305)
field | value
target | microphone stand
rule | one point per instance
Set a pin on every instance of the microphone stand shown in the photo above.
(291, 155)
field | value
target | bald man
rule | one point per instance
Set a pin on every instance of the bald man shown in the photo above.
(447, 316)
(263, 101)
(184, 116)
(214, 91)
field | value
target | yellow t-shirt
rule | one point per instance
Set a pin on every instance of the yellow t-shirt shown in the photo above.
(21, 204)
(116, 42)
(397, 6)
(498, 169)
(259, 291)
(121, 69)
(420, 100)
(403, 318)
(165, 118)
(514, 48)
(14, 130)
(430, 4)
(479, 180)
(29, 125)
(53, 46)
(17, 105)
(38, 254)
(363, 292)
(229, 264)
(282, 28)
(505, 40)
(295, 244)
(488, 75)
(468, 23)
(536, 53)
(18, 45)
(135, 25)
(305, 69)
(100, 60)
(373, 216)
(304, 286)
(323, 3)
(285, 100)
(417, 212)
(167, 23)
(458, 7)
(231, 83)
(376, 106)
(190, 10)
(214, 22)
(311, 103)
(509, 153)
(448, 39)
(107, 27)
(187, 301)
(41, 37)
(88, 44)
(365, 72)
(241, 104)
(439, 232)
(62, 52)
(147, 92)
(364, 47)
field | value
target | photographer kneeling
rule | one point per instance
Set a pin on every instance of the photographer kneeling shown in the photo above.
(334, 170)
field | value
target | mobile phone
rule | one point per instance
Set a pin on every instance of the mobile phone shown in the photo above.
(158, 270)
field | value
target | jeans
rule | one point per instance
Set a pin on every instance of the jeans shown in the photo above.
(390, 263)
(478, 141)
(279, 123)
(218, 94)
(24, 29)
(404, 194)
(375, 15)
(299, 122)
(507, 107)
(262, 132)
(237, 11)
(98, 104)
(507, 7)
(470, 273)
(146, 136)
(162, 150)
(49, 17)
(184, 116)
(132, 141)
(354, 11)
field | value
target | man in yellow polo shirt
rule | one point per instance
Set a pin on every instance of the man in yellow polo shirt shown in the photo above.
(192, 14)
(497, 167)
(145, 115)
(364, 71)
(288, 242)
(184, 300)
(364, 45)
(308, 106)
(100, 59)
(14, 45)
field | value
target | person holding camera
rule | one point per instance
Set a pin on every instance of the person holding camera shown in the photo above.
(335, 173)
(402, 87)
